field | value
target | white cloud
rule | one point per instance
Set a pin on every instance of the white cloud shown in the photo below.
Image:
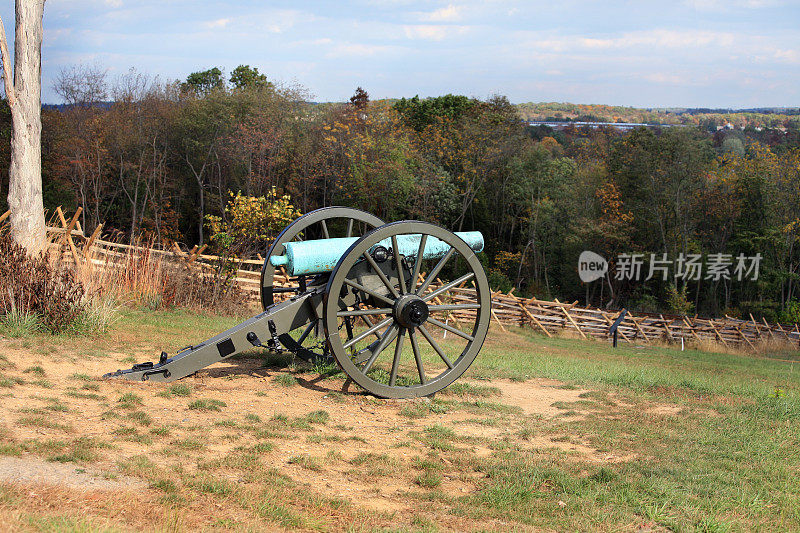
(726, 5)
(661, 77)
(357, 50)
(662, 38)
(433, 32)
(677, 45)
(786, 56)
(52, 35)
(792, 56)
(446, 14)
(554, 45)
(657, 40)
(219, 23)
(679, 79)
(113, 3)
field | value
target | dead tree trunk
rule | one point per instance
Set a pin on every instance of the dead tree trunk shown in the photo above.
(25, 100)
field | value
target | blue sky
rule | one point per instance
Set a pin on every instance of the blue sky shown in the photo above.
(695, 53)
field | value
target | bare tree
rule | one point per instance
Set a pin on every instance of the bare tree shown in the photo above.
(83, 154)
(25, 100)
(139, 143)
(82, 85)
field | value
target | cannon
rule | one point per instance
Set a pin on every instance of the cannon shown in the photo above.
(339, 284)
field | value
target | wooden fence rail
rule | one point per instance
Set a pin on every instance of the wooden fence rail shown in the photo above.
(547, 317)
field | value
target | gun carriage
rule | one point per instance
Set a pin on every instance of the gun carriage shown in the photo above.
(357, 286)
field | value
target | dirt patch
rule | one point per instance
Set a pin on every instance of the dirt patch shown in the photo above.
(675, 410)
(537, 396)
(579, 450)
(34, 471)
(664, 410)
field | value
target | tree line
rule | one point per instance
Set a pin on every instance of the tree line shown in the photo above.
(162, 159)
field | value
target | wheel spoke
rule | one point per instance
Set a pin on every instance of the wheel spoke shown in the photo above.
(435, 271)
(306, 331)
(374, 294)
(380, 273)
(418, 262)
(385, 340)
(325, 229)
(398, 265)
(350, 227)
(417, 357)
(435, 345)
(451, 329)
(362, 312)
(365, 353)
(453, 307)
(368, 332)
(369, 324)
(448, 286)
(398, 350)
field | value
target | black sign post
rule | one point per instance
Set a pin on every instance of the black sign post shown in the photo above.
(613, 329)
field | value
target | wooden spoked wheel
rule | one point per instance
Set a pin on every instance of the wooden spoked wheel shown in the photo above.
(276, 285)
(435, 312)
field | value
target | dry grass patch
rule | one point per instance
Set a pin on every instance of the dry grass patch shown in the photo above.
(207, 404)
(43, 422)
(306, 461)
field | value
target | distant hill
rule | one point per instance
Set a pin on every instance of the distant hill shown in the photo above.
(62, 107)
(763, 117)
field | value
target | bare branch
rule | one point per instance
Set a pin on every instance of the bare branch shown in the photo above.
(83, 85)
(7, 79)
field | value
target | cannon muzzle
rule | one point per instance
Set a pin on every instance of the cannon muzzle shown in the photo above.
(319, 256)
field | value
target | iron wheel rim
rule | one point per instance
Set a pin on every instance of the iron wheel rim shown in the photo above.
(415, 336)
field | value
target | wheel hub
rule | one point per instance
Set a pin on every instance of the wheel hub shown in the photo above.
(410, 311)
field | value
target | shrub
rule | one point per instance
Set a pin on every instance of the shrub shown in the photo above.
(36, 291)
(251, 222)
(766, 309)
(792, 313)
(678, 301)
(249, 225)
(643, 303)
(16, 324)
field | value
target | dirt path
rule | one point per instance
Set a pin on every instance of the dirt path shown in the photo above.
(35, 471)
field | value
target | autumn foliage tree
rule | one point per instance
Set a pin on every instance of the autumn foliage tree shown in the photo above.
(229, 161)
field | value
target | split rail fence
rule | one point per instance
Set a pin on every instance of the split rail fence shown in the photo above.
(548, 317)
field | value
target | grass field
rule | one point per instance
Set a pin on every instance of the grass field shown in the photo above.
(553, 434)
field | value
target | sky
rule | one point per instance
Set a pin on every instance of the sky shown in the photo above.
(671, 53)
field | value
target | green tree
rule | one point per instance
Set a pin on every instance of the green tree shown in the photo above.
(244, 76)
(422, 113)
(203, 82)
(659, 178)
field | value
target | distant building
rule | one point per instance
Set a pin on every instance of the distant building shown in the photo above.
(624, 126)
